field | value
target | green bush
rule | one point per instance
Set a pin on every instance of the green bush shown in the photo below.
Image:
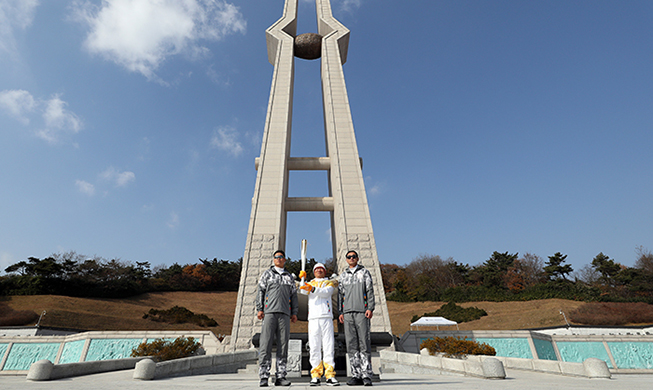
(180, 315)
(161, 349)
(456, 347)
(453, 312)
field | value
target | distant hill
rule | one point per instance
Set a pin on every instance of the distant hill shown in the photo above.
(127, 314)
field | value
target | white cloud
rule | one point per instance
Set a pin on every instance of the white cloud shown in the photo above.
(85, 187)
(373, 188)
(141, 34)
(173, 222)
(144, 148)
(57, 120)
(14, 14)
(225, 138)
(6, 259)
(350, 5)
(120, 179)
(110, 175)
(18, 103)
(329, 235)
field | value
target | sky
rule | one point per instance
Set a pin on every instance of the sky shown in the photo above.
(129, 128)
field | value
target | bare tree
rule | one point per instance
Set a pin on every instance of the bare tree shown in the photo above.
(532, 267)
(588, 275)
(430, 275)
(644, 260)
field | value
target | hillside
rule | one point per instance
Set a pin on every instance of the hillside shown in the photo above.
(127, 314)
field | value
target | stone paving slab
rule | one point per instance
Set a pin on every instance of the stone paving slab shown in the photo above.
(516, 380)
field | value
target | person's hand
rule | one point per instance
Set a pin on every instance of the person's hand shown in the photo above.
(341, 319)
(260, 315)
(302, 274)
(368, 314)
(307, 287)
(293, 318)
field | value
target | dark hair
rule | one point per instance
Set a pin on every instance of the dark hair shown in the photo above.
(352, 251)
(279, 251)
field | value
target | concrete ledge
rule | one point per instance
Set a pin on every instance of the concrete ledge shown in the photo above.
(44, 370)
(489, 367)
(549, 366)
(210, 343)
(409, 363)
(591, 368)
(223, 363)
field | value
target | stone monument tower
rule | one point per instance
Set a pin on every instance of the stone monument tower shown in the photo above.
(351, 227)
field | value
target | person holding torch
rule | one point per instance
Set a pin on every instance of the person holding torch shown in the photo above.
(320, 325)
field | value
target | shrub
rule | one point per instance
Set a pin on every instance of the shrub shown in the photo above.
(11, 317)
(453, 312)
(180, 315)
(612, 313)
(161, 349)
(456, 347)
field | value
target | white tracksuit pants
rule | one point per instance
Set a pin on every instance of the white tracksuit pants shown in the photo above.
(320, 340)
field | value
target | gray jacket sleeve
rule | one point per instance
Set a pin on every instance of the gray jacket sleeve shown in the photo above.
(341, 292)
(369, 290)
(260, 293)
(294, 302)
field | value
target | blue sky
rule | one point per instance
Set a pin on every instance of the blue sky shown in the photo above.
(129, 128)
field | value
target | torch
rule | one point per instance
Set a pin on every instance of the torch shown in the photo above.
(303, 256)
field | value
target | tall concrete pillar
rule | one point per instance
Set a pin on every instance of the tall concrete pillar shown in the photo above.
(351, 225)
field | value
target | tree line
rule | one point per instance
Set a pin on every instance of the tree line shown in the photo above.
(76, 275)
(506, 277)
(503, 276)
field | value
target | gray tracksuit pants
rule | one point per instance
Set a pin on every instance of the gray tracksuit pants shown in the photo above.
(275, 325)
(359, 345)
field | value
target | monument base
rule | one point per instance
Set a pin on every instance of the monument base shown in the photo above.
(380, 341)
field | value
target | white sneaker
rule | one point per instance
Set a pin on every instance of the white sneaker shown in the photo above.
(315, 381)
(332, 382)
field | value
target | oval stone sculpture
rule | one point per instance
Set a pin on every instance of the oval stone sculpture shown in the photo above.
(40, 371)
(308, 46)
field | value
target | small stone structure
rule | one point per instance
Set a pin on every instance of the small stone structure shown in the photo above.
(294, 363)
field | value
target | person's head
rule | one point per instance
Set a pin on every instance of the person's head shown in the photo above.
(319, 271)
(279, 258)
(352, 259)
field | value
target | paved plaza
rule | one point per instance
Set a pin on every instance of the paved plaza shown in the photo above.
(518, 380)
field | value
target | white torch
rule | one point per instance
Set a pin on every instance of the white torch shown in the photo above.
(303, 256)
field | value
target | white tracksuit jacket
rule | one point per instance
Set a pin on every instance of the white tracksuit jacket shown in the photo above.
(320, 327)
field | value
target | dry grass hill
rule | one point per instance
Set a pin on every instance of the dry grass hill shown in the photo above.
(127, 314)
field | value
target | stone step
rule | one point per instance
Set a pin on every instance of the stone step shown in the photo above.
(249, 369)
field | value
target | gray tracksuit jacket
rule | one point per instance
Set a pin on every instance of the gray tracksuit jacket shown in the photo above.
(277, 293)
(355, 291)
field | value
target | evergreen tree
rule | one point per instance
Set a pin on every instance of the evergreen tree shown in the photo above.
(554, 269)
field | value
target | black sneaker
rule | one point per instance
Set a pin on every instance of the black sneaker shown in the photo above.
(367, 382)
(315, 381)
(282, 382)
(332, 382)
(355, 382)
(263, 383)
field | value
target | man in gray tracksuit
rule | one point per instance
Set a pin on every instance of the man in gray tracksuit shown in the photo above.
(356, 305)
(277, 306)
